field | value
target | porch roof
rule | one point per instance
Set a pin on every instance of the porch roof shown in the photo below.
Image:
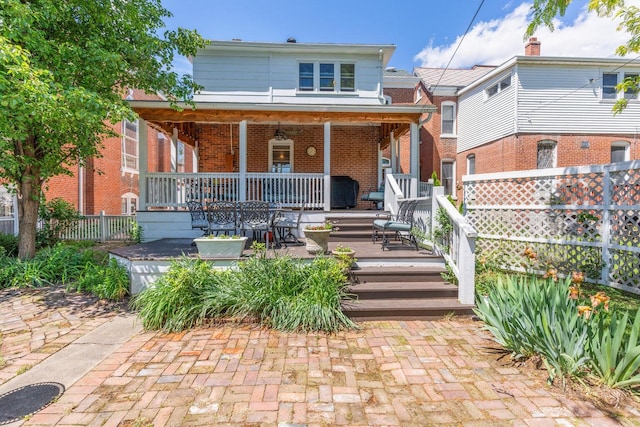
(392, 118)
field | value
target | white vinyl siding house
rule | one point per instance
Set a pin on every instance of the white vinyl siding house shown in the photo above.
(291, 73)
(546, 96)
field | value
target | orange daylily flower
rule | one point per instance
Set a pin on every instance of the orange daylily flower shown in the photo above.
(586, 310)
(530, 253)
(577, 277)
(553, 273)
(574, 292)
(600, 298)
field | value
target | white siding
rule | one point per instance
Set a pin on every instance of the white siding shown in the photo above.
(560, 99)
(482, 119)
(245, 77)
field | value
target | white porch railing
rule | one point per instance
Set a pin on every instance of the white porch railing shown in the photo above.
(101, 228)
(576, 219)
(173, 190)
(459, 252)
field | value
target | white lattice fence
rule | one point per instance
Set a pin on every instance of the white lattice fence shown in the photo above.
(576, 219)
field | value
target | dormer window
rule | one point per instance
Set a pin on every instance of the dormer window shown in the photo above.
(326, 77)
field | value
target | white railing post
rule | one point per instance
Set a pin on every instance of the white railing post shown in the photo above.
(606, 224)
(104, 234)
(143, 157)
(467, 266)
(327, 166)
(437, 191)
(242, 190)
(16, 222)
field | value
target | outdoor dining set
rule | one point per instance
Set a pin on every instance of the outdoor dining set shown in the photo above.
(267, 222)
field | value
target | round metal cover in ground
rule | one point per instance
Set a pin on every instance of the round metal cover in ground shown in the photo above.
(17, 404)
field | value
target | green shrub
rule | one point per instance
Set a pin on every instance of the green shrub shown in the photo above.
(57, 216)
(107, 281)
(10, 244)
(284, 293)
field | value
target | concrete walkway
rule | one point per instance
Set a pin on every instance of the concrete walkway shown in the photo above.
(388, 373)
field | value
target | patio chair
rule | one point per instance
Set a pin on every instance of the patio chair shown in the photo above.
(284, 224)
(256, 216)
(198, 217)
(375, 196)
(400, 225)
(222, 217)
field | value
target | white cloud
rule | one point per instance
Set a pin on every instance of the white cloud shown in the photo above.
(495, 41)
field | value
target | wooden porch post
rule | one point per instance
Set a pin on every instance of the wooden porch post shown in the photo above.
(243, 161)
(143, 156)
(327, 166)
(392, 145)
(415, 159)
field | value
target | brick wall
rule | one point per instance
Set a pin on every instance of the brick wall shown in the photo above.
(400, 95)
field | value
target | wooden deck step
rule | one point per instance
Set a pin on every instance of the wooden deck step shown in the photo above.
(404, 290)
(427, 273)
(405, 309)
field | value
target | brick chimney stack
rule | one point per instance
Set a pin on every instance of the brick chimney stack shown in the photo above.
(532, 48)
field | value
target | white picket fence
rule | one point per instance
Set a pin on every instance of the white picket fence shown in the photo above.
(102, 228)
(576, 219)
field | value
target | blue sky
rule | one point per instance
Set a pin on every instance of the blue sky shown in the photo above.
(425, 33)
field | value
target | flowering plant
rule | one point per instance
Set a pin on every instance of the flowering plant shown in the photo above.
(341, 248)
(326, 226)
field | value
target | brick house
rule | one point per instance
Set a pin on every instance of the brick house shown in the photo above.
(110, 183)
(530, 112)
(281, 122)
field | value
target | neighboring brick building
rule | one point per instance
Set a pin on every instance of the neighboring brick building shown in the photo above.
(110, 182)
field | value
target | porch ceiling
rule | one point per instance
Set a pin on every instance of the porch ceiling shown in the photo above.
(391, 118)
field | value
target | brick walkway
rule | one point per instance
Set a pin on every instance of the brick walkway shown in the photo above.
(387, 373)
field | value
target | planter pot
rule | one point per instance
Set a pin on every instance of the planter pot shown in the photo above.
(317, 241)
(347, 254)
(220, 248)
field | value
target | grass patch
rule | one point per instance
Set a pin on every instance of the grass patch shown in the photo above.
(283, 293)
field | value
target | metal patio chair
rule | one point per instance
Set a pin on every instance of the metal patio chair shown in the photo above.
(400, 225)
(256, 216)
(285, 224)
(198, 217)
(222, 217)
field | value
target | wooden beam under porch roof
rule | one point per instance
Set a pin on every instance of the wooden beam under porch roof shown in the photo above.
(392, 118)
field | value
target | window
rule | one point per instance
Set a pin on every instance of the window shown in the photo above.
(630, 93)
(448, 176)
(418, 94)
(129, 203)
(347, 77)
(471, 164)
(327, 77)
(306, 76)
(546, 154)
(498, 87)
(609, 82)
(130, 146)
(619, 151)
(281, 156)
(322, 77)
(448, 118)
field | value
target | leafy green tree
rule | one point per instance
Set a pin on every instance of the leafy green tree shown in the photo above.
(64, 69)
(544, 12)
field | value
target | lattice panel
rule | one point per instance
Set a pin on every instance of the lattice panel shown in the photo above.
(581, 189)
(625, 228)
(515, 191)
(625, 187)
(564, 258)
(625, 269)
(556, 224)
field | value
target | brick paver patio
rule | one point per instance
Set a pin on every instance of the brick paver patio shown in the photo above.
(388, 373)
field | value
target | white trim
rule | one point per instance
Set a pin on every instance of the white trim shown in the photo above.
(453, 134)
(469, 158)
(627, 149)
(124, 156)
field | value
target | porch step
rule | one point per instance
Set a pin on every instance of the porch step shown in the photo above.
(405, 309)
(352, 228)
(404, 290)
(413, 291)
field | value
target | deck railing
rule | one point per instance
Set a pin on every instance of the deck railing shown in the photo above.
(173, 190)
(7, 224)
(101, 228)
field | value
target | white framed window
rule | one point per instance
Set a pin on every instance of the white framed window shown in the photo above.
(281, 156)
(547, 154)
(326, 77)
(448, 175)
(610, 83)
(498, 87)
(448, 117)
(130, 146)
(471, 164)
(620, 151)
(129, 203)
(418, 94)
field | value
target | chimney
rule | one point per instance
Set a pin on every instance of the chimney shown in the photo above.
(532, 48)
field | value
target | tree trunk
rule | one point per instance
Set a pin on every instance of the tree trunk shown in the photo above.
(28, 204)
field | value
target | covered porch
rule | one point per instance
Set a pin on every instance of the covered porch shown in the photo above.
(283, 154)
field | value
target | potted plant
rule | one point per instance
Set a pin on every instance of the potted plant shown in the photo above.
(345, 255)
(317, 237)
(222, 246)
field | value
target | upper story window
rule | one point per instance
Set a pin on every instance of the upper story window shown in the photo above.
(620, 151)
(418, 94)
(610, 82)
(498, 87)
(448, 114)
(547, 157)
(130, 146)
(326, 77)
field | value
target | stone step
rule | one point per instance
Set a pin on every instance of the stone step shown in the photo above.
(405, 309)
(404, 290)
